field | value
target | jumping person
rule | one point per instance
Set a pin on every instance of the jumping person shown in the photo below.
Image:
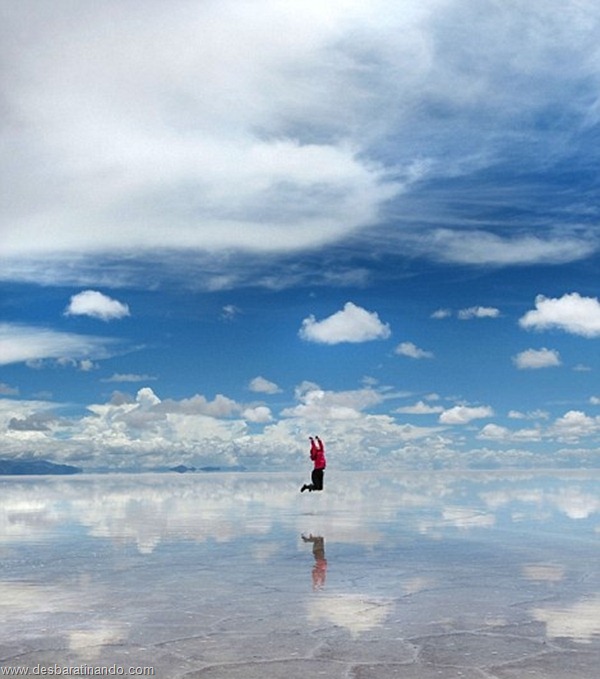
(317, 455)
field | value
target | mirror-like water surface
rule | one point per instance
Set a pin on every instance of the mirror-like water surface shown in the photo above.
(475, 575)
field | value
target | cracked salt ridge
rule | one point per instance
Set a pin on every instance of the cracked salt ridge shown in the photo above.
(443, 576)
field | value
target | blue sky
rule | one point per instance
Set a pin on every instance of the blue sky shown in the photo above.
(228, 225)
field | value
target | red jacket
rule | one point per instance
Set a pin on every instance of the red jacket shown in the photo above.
(317, 453)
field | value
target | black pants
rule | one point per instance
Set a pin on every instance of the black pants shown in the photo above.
(317, 479)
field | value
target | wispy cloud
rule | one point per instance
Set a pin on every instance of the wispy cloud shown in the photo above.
(7, 390)
(343, 122)
(129, 377)
(23, 343)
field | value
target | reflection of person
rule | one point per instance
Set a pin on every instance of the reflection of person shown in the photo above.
(319, 571)
(317, 455)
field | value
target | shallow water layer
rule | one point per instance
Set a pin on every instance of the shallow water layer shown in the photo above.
(236, 576)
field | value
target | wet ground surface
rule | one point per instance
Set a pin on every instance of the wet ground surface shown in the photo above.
(237, 576)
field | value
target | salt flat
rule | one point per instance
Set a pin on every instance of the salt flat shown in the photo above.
(486, 575)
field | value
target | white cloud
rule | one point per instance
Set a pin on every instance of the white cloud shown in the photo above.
(315, 403)
(482, 248)
(128, 377)
(533, 359)
(595, 400)
(258, 414)
(96, 305)
(495, 432)
(24, 343)
(478, 312)
(420, 408)
(351, 324)
(288, 102)
(220, 407)
(571, 312)
(412, 351)
(574, 425)
(465, 414)
(263, 386)
(148, 431)
(229, 312)
(533, 415)
(144, 152)
(7, 390)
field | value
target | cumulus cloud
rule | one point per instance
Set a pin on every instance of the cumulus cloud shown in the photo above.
(465, 414)
(569, 428)
(441, 313)
(412, 351)
(352, 324)
(572, 313)
(263, 386)
(257, 414)
(478, 312)
(533, 415)
(96, 305)
(574, 425)
(495, 432)
(315, 403)
(34, 422)
(420, 408)
(25, 343)
(533, 359)
(146, 431)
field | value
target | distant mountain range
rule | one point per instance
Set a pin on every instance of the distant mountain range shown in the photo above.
(182, 468)
(34, 467)
(26, 467)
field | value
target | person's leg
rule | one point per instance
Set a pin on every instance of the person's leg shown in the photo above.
(317, 479)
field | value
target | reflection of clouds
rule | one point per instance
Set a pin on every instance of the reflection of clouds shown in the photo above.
(22, 598)
(23, 604)
(418, 584)
(467, 518)
(579, 621)
(543, 572)
(577, 504)
(537, 498)
(265, 552)
(88, 643)
(147, 509)
(355, 612)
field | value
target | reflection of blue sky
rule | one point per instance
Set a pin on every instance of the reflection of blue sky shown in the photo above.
(105, 559)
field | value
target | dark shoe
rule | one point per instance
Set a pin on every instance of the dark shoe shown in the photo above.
(304, 487)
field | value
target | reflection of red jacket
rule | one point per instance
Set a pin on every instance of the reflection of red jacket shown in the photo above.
(317, 453)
